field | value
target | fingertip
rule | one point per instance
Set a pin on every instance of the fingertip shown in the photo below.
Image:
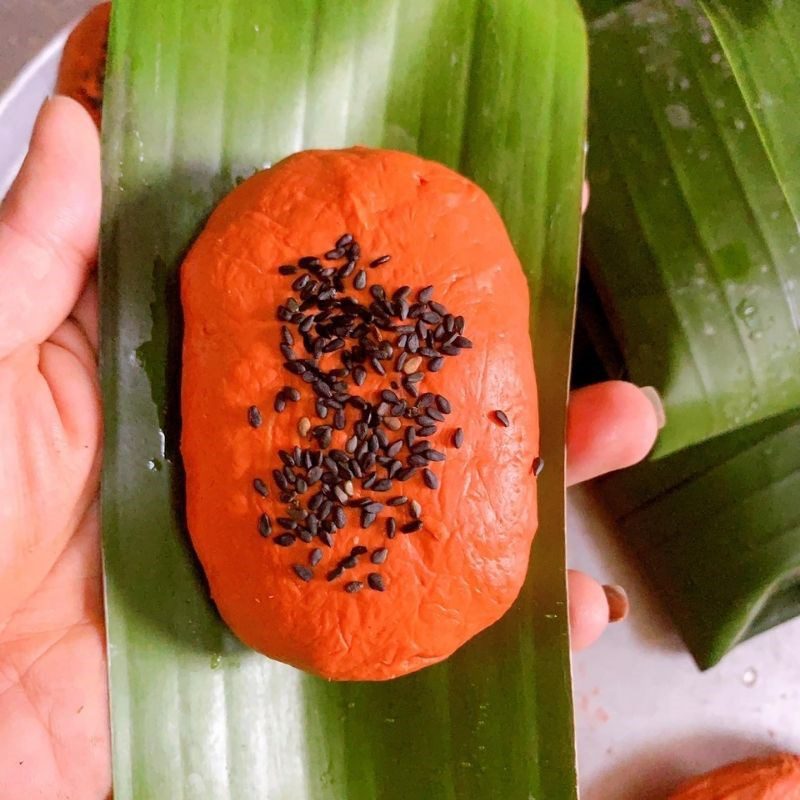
(610, 426)
(588, 610)
(61, 174)
(49, 225)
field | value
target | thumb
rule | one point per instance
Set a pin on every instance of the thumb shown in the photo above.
(49, 226)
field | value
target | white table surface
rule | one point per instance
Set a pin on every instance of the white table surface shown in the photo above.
(646, 718)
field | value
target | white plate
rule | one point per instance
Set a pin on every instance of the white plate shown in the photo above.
(646, 717)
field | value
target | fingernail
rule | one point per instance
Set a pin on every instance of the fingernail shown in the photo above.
(618, 603)
(651, 393)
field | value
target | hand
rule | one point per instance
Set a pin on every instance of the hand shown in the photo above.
(54, 729)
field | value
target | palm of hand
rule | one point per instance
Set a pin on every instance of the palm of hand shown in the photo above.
(53, 714)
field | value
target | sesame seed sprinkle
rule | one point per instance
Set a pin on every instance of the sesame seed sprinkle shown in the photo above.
(356, 445)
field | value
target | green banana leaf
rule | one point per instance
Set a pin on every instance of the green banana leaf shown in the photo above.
(694, 259)
(693, 246)
(716, 528)
(200, 93)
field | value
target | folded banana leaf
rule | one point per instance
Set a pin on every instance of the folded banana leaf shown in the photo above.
(693, 255)
(200, 93)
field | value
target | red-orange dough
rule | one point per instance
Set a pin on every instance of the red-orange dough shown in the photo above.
(83, 64)
(464, 568)
(773, 778)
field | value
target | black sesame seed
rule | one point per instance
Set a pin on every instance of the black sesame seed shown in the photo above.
(378, 261)
(335, 573)
(300, 283)
(261, 487)
(391, 529)
(339, 517)
(315, 557)
(295, 367)
(379, 556)
(316, 501)
(375, 582)
(411, 527)
(538, 466)
(434, 455)
(326, 538)
(359, 375)
(377, 366)
(415, 509)
(400, 500)
(280, 402)
(264, 525)
(367, 518)
(394, 448)
(285, 540)
(502, 418)
(431, 481)
(427, 430)
(443, 404)
(302, 572)
(418, 460)
(435, 364)
(360, 281)
(406, 473)
(410, 436)
(458, 438)
(287, 522)
(344, 240)
(254, 417)
(425, 294)
(358, 550)
(322, 388)
(410, 387)
(287, 269)
(462, 342)
(280, 479)
(349, 562)
(353, 587)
